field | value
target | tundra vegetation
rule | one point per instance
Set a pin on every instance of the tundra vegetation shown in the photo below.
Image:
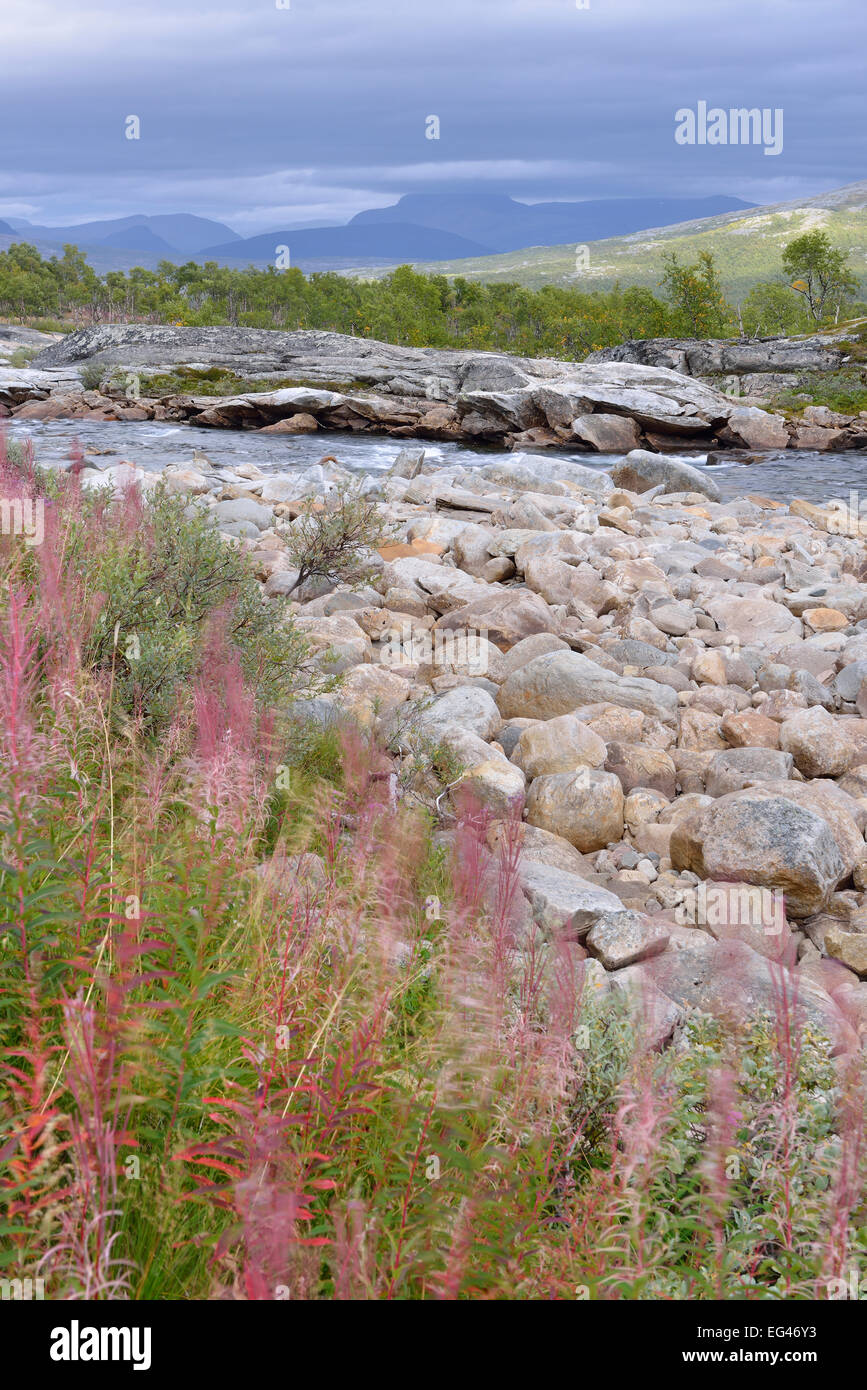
(263, 1030)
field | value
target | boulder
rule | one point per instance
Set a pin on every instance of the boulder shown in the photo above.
(563, 904)
(748, 837)
(818, 743)
(243, 509)
(495, 782)
(636, 765)
(752, 428)
(338, 641)
(737, 768)
(560, 682)
(750, 730)
(301, 423)
(536, 846)
(844, 816)
(585, 807)
(623, 938)
(640, 471)
(528, 648)
(504, 616)
(369, 691)
(467, 707)
(848, 947)
(563, 744)
(730, 980)
(609, 434)
(755, 621)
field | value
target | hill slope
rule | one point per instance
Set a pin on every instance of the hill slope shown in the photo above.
(746, 245)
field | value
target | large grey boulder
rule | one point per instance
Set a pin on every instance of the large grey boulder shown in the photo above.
(623, 938)
(560, 682)
(243, 509)
(702, 357)
(468, 707)
(640, 471)
(535, 473)
(730, 980)
(563, 904)
(753, 837)
(752, 428)
(737, 768)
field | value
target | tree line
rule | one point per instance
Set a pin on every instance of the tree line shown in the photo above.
(816, 287)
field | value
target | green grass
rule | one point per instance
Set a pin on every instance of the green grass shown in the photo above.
(215, 381)
(22, 357)
(43, 325)
(842, 391)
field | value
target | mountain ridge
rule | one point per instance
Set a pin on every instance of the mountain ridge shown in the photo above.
(747, 247)
(505, 224)
(419, 226)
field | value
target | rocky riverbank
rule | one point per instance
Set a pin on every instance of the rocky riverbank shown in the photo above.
(663, 695)
(333, 381)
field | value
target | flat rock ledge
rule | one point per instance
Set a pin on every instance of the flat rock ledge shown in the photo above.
(337, 382)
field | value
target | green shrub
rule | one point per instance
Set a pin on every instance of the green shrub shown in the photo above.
(335, 542)
(91, 376)
(161, 585)
(22, 357)
(843, 391)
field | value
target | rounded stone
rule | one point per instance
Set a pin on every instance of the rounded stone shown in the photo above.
(585, 807)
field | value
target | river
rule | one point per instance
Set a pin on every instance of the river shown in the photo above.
(780, 476)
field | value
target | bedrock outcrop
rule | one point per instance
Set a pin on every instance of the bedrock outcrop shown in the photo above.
(335, 381)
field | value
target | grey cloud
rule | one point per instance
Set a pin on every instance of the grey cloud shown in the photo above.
(260, 115)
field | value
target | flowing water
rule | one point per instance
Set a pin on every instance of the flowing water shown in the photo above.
(779, 475)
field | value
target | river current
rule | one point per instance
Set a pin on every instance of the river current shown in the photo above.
(780, 475)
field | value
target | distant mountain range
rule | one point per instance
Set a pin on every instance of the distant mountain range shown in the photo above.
(359, 244)
(502, 224)
(488, 222)
(747, 247)
(419, 227)
(121, 242)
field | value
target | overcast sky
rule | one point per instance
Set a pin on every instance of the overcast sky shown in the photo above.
(262, 116)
